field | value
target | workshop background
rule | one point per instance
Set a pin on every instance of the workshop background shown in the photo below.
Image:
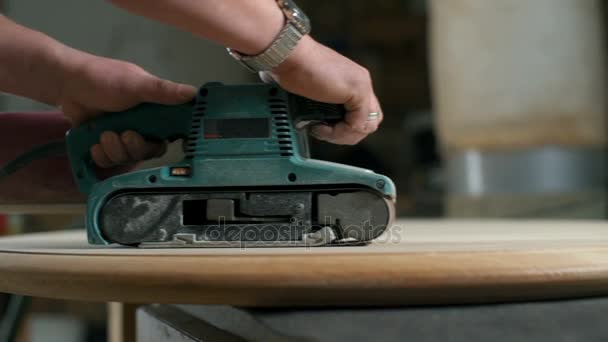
(439, 98)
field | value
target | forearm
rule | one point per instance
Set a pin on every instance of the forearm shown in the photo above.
(31, 64)
(249, 26)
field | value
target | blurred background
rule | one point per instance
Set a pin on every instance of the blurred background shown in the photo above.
(493, 109)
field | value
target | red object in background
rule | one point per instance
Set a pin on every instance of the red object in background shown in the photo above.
(3, 224)
(48, 180)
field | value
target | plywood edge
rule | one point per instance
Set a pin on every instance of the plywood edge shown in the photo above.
(394, 279)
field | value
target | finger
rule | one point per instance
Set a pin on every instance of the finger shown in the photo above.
(114, 148)
(380, 112)
(353, 129)
(364, 118)
(340, 134)
(76, 113)
(156, 90)
(99, 156)
(374, 117)
(140, 149)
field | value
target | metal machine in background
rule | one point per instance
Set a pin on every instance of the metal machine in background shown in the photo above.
(246, 179)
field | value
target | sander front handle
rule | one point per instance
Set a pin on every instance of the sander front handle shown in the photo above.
(153, 121)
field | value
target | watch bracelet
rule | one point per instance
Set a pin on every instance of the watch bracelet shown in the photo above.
(277, 52)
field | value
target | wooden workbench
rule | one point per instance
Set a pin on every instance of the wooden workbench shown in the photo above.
(417, 262)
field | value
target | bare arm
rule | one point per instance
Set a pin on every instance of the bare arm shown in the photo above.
(32, 64)
(82, 85)
(245, 25)
(312, 70)
(36, 66)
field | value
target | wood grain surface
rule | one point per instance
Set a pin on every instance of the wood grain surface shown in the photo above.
(416, 262)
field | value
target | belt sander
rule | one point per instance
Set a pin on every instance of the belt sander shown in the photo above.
(246, 178)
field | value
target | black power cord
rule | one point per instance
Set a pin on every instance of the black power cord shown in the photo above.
(52, 149)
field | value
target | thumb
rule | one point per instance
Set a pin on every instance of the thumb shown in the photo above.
(77, 113)
(157, 90)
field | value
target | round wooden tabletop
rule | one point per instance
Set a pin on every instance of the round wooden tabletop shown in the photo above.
(416, 262)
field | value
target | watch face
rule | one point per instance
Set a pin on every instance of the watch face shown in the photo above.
(295, 15)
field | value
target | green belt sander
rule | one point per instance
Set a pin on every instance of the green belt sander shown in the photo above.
(246, 178)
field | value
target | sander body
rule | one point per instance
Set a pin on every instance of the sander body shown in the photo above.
(246, 178)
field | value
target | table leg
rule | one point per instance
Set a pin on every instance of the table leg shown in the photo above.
(14, 316)
(121, 322)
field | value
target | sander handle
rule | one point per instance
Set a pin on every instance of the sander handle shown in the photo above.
(170, 122)
(153, 121)
(310, 111)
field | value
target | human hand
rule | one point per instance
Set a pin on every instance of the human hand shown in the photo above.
(94, 85)
(319, 73)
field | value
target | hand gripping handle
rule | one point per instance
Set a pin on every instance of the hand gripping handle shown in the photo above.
(153, 121)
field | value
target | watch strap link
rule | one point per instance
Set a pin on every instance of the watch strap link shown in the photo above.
(275, 54)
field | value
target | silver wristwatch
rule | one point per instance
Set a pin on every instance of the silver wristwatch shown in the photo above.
(296, 26)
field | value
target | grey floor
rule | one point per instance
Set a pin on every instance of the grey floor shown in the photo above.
(556, 321)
